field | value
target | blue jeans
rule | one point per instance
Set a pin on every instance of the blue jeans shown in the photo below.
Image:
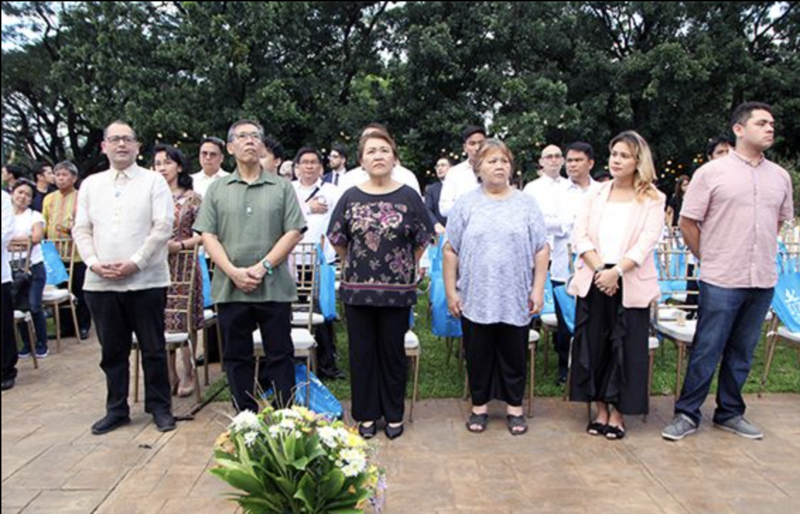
(728, 330)
(38, 281)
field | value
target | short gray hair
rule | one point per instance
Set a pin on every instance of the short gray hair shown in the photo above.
(241, 122)
(66, 165)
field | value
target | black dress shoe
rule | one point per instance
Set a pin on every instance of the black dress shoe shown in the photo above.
(84, 334)
(164, 421)
(393, 432)
(109, 424)
(7, 384)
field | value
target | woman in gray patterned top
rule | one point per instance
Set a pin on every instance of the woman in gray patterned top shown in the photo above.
(488, 226)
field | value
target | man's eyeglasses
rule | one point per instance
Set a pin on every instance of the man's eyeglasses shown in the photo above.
(114, 140)
(553, 156)
(241, 136)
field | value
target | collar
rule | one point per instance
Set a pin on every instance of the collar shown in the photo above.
(265, 178)
(128, 172)
(220, 173)
(573, 185)
(747, 161)
(318, 184)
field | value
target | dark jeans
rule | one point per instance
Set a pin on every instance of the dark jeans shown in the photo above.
(378, 362)
(728, 330)
(237, 321)
(9, 342)
(118, 315)
(39, 280)
(562, 337)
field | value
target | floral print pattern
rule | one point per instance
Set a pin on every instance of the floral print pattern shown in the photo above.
(381, 234)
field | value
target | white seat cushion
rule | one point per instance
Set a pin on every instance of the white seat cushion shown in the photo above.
(653, 343)
(550, 320)
(55, 296)
(208, 315)
(533, 336)
(786, 334)
(671, 329)
(300, 319)
(301, 339)
(172, 338)
(667, 313)
(768, 317)
(680, 297)
(412, 341)
(337, 285)
(22, 316)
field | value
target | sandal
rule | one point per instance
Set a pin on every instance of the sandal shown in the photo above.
(597, 428)
(615, 433)
(368, 432)
(517, 422)
(478, 420)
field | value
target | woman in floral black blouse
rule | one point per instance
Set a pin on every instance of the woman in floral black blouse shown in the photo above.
(380, 229)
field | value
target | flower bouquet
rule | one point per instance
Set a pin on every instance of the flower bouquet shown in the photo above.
(292, 461)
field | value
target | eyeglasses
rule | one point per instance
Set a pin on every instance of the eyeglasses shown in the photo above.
(553, 156)
(308, 163)
(114, 140)
(241, 136)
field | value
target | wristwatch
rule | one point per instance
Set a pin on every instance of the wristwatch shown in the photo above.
(267, 266)
(619, 270)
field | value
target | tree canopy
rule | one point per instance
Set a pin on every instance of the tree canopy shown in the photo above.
(316, 72)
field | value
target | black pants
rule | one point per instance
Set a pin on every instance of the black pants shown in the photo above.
(610, 354)
(9, 341)
(326, 349)
(237, 321)
(118, 316)
(378, 363)
(562, 337)
(496, 361)
(81, 308)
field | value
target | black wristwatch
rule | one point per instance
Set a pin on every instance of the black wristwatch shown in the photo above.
(267, 266)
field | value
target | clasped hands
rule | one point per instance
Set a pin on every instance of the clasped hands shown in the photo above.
(607, 281)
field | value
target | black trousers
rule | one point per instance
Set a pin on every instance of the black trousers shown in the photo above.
(237, 320)
(610, 354)
(562, 338)
(81, 308)
(10, 356)
(117, 316)
(378, 363)
(496, 361)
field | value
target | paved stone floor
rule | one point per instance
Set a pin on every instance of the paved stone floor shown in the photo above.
(52, 464)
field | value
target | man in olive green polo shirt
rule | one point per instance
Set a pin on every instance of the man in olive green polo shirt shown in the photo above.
(251, 221)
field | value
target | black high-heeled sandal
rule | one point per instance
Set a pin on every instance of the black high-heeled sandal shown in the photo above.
(615, 433)
(393, 432)
(368, 432)
(597, 428)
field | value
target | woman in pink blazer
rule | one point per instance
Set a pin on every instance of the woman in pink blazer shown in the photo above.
(615, 281)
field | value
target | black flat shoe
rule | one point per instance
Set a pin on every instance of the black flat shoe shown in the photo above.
(368, 432)
(393, 432)
(596, 428)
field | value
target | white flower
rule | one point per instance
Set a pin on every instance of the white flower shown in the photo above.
(250, 438)
(246, 421)
(287, 424)
(288, 413)
(353, 462)
(329, 436)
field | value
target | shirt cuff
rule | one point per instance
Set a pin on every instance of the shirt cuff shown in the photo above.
(139, 261)
(582, 249)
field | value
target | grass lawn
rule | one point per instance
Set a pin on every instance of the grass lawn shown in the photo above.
(440, 377)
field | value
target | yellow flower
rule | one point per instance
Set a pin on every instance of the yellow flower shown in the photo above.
(351, 489)
(225, 444)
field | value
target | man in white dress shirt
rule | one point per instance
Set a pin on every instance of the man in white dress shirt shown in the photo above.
(549, 191)
(399, 173)
(317, 200)
(122, 227)
(212, 153)
(461, 178)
